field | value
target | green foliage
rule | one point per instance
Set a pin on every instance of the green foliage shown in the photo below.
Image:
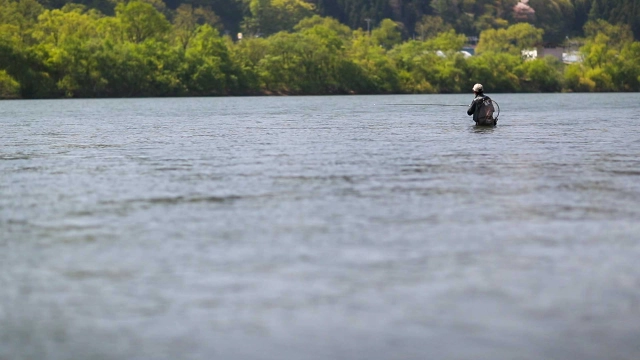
(22, 15)
(430, 26)
(387, 34)
(555, 17)
(378, 69)
(511, 40)
(187, 21)
(61, 27)
(415, 61)
(496, 71)
(270, 16)
(446, 41)
(614, 35)
(540, 75)
(27, 68)
(209, 67)
(9, 87)
(626, 76)
(300, 63)
(490, 14)
(610, 60)
(150, 68)
(67, 44)
(328, 30)
(246, 55)
(77, 51)
(140, 21)
(558, 18)
(618, 12)
(575, 79)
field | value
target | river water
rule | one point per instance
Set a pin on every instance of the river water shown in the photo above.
(320, 228)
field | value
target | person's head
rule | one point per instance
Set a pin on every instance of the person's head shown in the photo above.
(477, 89)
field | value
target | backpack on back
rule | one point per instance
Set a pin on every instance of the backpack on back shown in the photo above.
(485, 110)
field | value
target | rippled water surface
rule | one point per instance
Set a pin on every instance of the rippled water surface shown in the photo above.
(320, 228)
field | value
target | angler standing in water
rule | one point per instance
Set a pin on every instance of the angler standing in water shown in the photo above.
(482, 108)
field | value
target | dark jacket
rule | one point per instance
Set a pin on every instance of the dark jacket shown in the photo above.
(482, 110)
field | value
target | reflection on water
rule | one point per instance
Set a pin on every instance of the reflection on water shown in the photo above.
(320, 227)
(483, 129)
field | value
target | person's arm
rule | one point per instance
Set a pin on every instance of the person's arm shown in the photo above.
(472, 107)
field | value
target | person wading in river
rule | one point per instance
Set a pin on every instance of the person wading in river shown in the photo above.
(481, 108)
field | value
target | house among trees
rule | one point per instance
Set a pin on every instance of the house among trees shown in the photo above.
(562, 53)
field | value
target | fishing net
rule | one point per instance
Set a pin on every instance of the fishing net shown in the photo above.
(496, 110)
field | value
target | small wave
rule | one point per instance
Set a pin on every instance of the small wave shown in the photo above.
(198, 199)
(171, 200)
(304, 178)
(31, 169)
(586, 186)
(88, 146)
(173, 168)
(567, 212)
(424, 168)
(625, 172)
(102, 274)
(14, 157)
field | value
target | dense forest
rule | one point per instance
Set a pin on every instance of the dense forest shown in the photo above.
(112, 48)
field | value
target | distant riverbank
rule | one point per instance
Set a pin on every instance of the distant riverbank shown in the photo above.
(79, 53)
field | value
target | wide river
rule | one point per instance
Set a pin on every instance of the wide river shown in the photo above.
(324, 228)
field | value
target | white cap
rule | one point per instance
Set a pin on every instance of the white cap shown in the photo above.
(477, 87)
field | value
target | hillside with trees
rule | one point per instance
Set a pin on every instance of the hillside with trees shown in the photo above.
(558, 18)
(96, 48)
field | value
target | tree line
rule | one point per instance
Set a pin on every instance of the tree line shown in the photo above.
(558, 18)
(144, 48)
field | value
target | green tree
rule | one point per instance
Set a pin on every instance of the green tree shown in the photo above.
(279, 69)
(511, 40)
(25, 67)
(496, 71)
(448, 41)
(434, 65)
(150, 68)
(140, 21)
(209, 67)
(575, 80)
(540, 75)
(555, 17)
(22, 14)
(448, 10)
(387, 34)
(324, 26)
(609, 60)
(271, 16)
(627, 74)
(187, 21)
(329, 42)
(9, 87)
(430, 26)
(619, 12)
(376, 66)
(298, 63)
(490, 14)
(57, 27)
(246, 55)
(68, 41)
(415, 66)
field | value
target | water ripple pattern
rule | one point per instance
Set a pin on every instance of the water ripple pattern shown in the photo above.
(320, 228)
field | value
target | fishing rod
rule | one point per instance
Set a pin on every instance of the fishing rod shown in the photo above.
(424, 105)
(495, 105)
